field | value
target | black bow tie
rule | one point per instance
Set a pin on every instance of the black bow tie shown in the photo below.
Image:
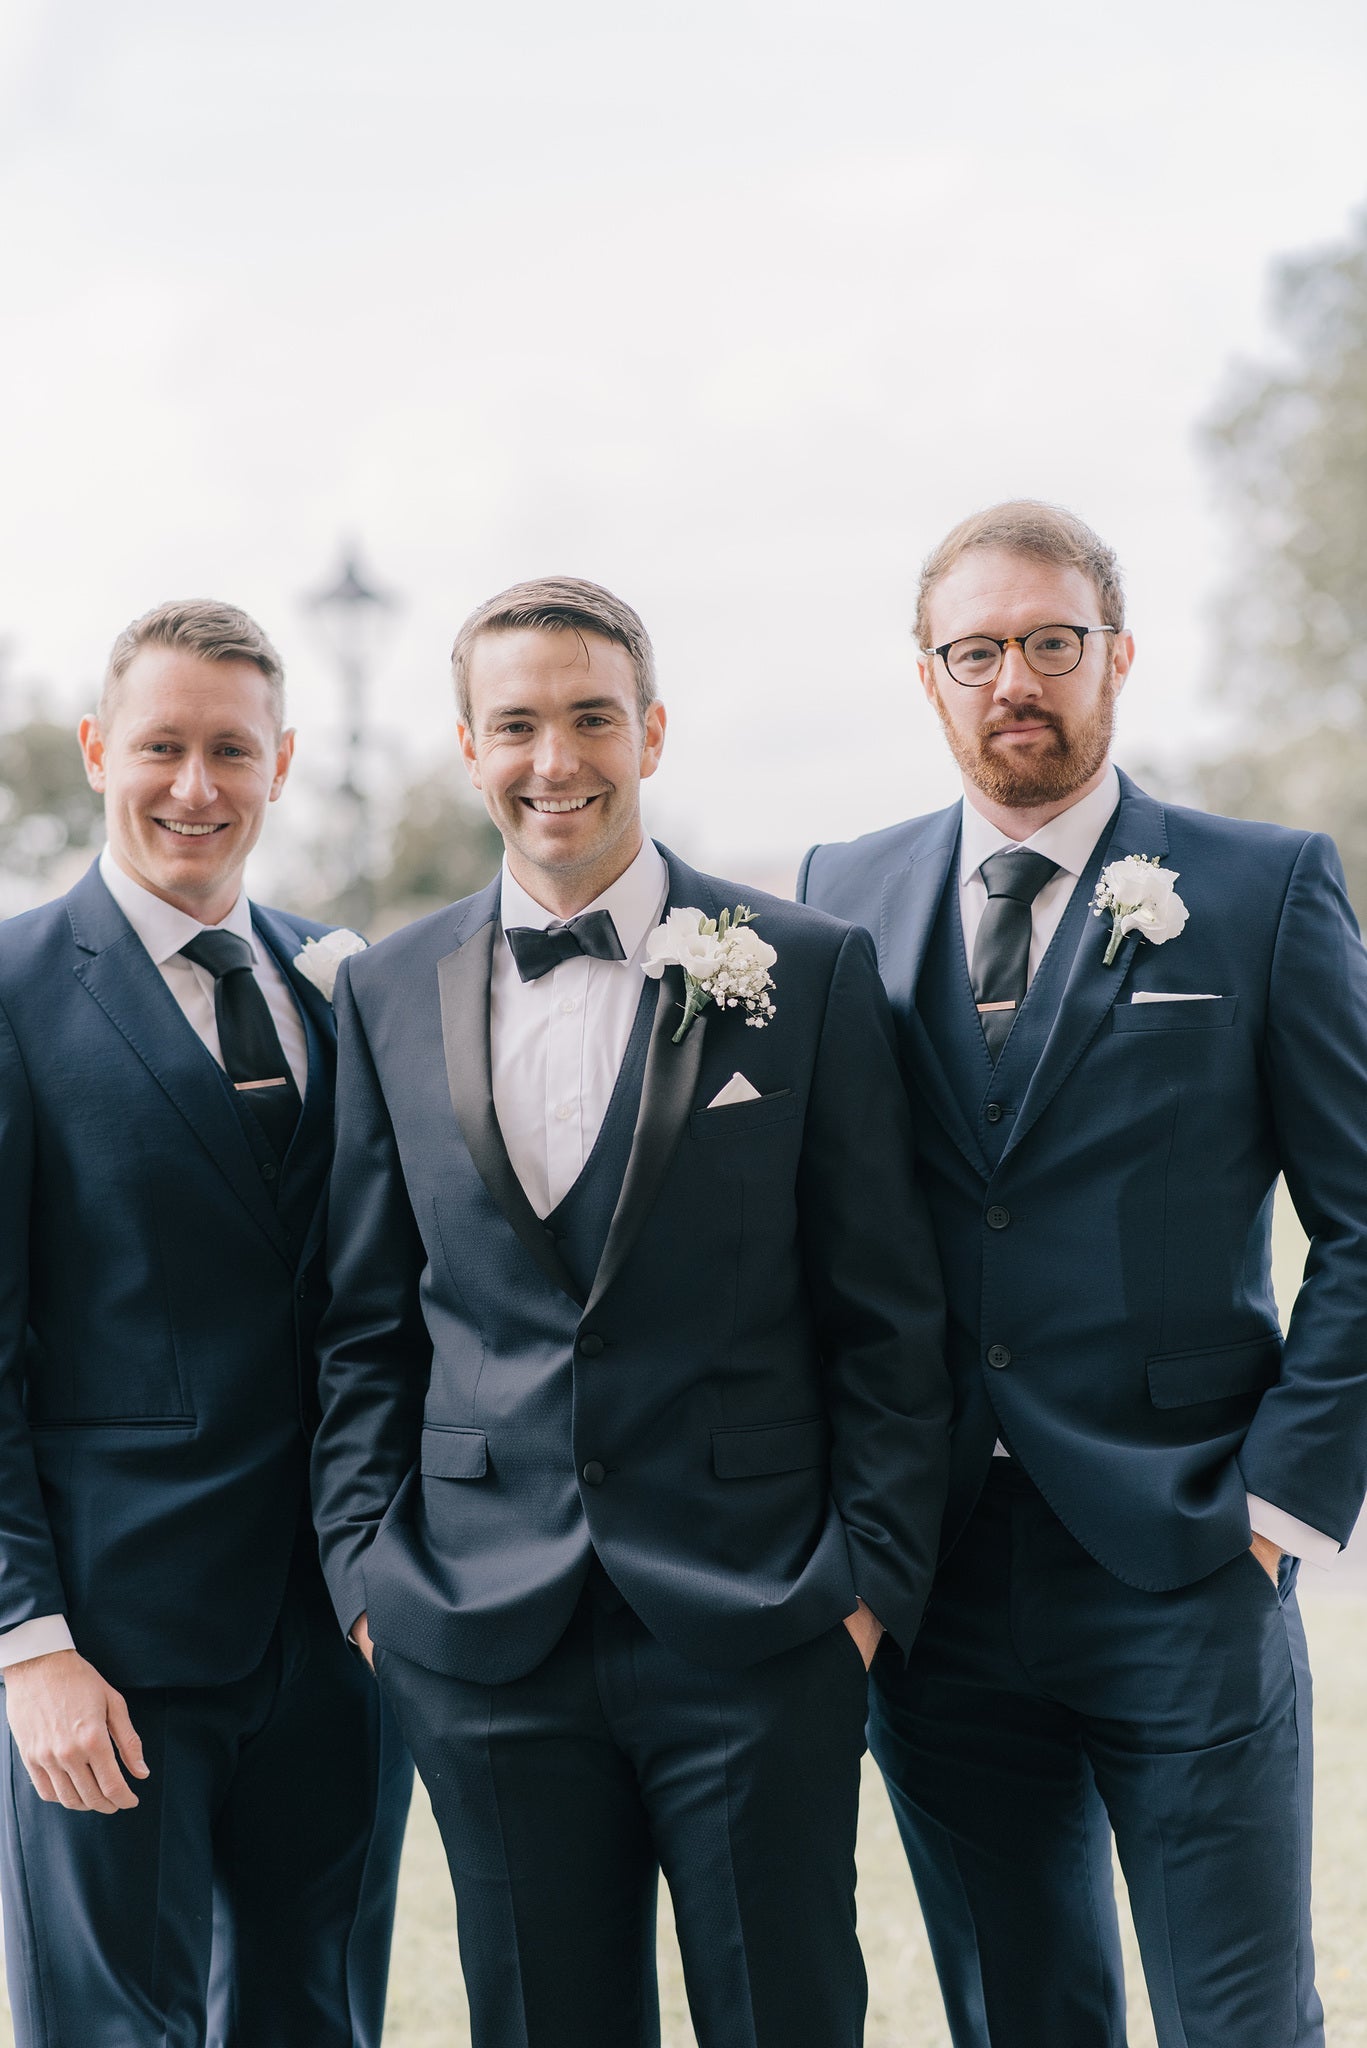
(537, 952)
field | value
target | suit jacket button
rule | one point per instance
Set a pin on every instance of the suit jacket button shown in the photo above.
(998, 1356)
(269, 1170)
(994, 1112)
(593, 1473)
(590, 1345)
(998, 1218)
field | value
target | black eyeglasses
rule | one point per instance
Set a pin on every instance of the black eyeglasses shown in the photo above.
(1050, 651)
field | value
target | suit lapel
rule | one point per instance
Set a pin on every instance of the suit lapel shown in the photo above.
(910, 904)
(463, 985)
(1091, 989)
(118, 972)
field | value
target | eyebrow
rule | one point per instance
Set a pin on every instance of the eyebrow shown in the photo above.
(529, 711)
(165, 730)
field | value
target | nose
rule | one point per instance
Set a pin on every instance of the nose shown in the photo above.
(1016, 681)
(554, 757)
(194, 786)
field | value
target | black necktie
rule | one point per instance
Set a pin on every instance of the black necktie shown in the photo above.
(537, 952)
(1001, 951)
(247, 1036)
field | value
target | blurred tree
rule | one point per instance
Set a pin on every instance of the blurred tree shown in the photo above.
(1288, 444)
(47, 808)
(439, 846)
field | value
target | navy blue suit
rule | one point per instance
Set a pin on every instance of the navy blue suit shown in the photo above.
(606, 1485)
(160, 1287)
(1102, 1202)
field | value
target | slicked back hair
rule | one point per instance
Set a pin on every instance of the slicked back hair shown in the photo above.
(556, 604)
(1026, 526)
(200, 626)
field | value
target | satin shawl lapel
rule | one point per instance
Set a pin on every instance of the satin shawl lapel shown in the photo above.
(910, 903)
(309, 1156)
(463, 983)
(1091, 989)
(667, 1091)
(118, 972)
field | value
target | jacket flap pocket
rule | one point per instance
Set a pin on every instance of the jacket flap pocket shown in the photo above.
(1208, 1015)
(753, 1453)
(731, 1117)
(454, 1453)
(1179, 1379)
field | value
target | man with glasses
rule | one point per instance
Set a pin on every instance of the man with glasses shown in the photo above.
(1104, 1104)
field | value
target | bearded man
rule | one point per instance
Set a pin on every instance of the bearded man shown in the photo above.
(1104, 1104)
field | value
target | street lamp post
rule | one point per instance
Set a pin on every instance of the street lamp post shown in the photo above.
(353, 618)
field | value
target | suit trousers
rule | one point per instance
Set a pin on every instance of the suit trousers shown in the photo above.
(248, 1900)
(561, 1795)
(1046, 1703)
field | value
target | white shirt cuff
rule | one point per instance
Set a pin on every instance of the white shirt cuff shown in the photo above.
(1297, 1539)
(36, 1638)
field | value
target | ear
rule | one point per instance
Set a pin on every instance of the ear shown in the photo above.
(1122, 659)
(92, 751)
(284, 754)
(653, 745)
(469, 755)
(925, 669)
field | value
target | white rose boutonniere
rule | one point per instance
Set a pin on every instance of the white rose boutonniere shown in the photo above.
(1140, 897)
(723, 962)
(320, 958)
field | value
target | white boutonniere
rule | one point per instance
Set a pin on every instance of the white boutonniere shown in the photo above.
(723, 962)
(1140, 897)
(320, 958)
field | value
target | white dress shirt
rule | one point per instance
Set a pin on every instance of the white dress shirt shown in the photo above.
(1070, 839)
(556, 1044)
(163, 930)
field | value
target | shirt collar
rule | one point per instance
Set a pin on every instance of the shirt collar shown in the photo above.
(636, 900)
(1069, 840)
(162, 928)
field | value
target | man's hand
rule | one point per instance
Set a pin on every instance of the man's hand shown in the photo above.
(67, 1725)
(1267, 1554)
(360, 1635)
(867, 1631)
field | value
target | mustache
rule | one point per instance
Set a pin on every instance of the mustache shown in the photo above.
(1049, 718)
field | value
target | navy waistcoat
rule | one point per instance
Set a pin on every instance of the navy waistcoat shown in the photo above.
(580, 1222)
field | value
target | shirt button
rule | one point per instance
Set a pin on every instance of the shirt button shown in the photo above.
(563, 1112)
(590, 1345)
(998, 1356)
(593, 1473)
(994, 1112)
(568, 1006)
(997, 1218)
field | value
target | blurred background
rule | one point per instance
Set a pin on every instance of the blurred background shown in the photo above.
(354, 316)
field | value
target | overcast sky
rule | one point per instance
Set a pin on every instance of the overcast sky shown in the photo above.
(734, 308)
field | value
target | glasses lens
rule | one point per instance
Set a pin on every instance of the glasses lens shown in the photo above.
(1053, 650)
(972, 662)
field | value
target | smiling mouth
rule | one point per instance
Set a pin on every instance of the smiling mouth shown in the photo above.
(183, 830)
(556, 806)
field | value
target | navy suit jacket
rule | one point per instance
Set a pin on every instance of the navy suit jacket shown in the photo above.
(1118, 1329)
(157, 1306)
(754, 1381)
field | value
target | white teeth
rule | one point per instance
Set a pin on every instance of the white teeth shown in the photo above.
(187, 831)
(554, 803)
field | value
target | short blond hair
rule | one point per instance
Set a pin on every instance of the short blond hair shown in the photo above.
(556, 604)
(1026, 526)
(201, 626)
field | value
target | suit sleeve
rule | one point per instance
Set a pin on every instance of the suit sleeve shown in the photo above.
(800, 891)
(375, 1353)
(1306, 1450)
(876, 1291)
(30, 1583)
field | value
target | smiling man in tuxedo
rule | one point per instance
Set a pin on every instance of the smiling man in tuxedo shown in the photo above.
(202, 1802)
(634, 1412)
(1104, 1105)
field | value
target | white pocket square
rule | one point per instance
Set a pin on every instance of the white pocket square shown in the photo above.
(1145, 995)
(737, 1089)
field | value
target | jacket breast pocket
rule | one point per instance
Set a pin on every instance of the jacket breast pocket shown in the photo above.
(1212, 1014)
(450, 1453)
(755, 1115)
(759, 1451)
(1181, 1379)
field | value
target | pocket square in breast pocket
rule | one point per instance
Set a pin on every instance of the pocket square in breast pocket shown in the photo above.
(1147, 995)
(737, 1089)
